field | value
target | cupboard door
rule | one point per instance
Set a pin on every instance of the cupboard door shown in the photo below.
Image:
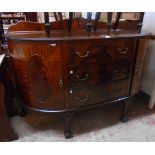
(38, 71)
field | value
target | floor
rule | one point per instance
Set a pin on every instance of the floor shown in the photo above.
(94, 125)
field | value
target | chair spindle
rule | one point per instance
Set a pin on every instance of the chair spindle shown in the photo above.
(117, 20)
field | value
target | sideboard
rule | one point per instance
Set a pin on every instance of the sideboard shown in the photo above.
(64, 71)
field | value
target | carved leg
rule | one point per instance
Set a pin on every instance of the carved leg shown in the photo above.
(124, 117)
(67, 131)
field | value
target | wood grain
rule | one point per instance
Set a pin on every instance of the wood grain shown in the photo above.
(49, 70)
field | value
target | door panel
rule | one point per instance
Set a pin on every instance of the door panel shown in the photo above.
(38, 71)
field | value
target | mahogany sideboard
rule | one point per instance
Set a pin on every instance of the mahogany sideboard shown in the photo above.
(68, 71)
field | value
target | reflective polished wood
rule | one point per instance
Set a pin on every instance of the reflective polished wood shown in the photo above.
(68, 71)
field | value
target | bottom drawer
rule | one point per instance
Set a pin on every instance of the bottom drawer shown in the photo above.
(82, 96)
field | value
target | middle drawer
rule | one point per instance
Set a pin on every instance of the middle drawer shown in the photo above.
(98, 72)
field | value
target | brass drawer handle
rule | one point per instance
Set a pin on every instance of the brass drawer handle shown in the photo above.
(83, 56)
(136, 69)
(53, 45)
(84, 99)
(82, 78)
(60, 82)
(122, 51)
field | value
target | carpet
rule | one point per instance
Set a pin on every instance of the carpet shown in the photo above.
(94, 125)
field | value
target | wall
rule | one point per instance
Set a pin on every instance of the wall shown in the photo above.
(148, 78)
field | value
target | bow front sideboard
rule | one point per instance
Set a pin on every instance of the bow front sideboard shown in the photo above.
(65, 71)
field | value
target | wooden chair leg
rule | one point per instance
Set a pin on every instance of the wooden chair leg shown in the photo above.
(68, 125)
(6, 131)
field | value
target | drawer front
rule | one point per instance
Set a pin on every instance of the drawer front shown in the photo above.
(106, 50)
(51, 51)
(94, 94)
(98, 72)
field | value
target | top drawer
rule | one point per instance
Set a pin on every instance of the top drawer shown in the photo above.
(102, 50)
(26, 50)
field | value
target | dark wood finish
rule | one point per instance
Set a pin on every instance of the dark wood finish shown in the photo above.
(140, 23)
(93, 94)
(68, 125)
(69, 71)
(40, 75)
(2, 38)
(6, 131)
(70, 21)
(109, 19)
(89, 23)
(124, 118)
(46, 17)
(60, 16)
(55, 16)
(97, 17)
(152, 37)
(12, 18)
(9, 88)
(47, 24)
(89, 16)
(31, 16)
(76, 25)
(115, 26)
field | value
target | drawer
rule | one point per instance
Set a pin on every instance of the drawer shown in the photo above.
(51, 51)
(105, 50)
(83, 96)
(98, 72)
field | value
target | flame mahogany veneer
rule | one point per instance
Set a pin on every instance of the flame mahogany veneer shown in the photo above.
(69, 71)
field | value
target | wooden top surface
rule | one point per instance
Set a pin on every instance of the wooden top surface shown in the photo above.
(29, 31)
(61, 35)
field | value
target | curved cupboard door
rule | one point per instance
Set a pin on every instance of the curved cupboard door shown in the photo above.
(38, 71)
